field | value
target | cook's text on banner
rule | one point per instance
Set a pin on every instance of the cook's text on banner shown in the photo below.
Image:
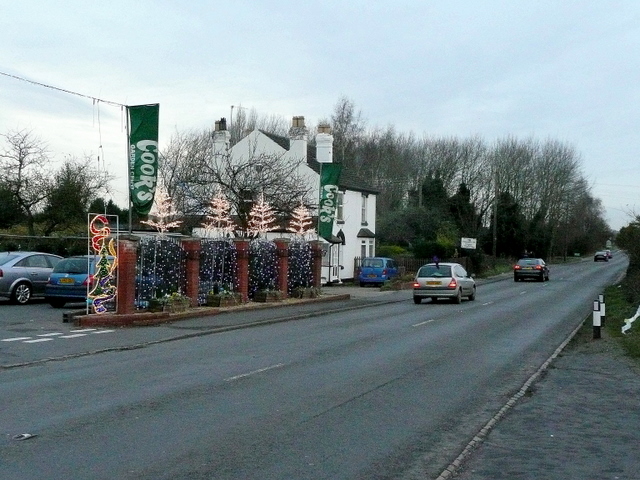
(329, 178)
(143, 156)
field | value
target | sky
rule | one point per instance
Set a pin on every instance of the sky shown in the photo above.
(564, 70)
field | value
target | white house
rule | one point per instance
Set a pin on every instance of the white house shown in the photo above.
(355, 225)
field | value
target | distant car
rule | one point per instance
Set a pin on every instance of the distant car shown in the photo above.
(534, 268)
(601, 256)
(376, 270)
(71, 279)
(23, 275)
(443, 280)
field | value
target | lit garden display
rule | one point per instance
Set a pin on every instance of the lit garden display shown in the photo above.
(102, 294)
(263, 266)
(160, 270)
(218, 267)
(300, 272)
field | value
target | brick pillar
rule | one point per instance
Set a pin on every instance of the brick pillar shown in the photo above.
(192, 248)
(242, 252)
(316, 263)
(127, 258)
(282, 245)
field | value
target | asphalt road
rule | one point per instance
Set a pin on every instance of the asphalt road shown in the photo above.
(368, 390)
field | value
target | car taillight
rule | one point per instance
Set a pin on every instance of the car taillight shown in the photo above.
(1, 274)
(88, 280)
(384, 272)
(416, 285)
(538, 267)
(516, 267)
(453, 283)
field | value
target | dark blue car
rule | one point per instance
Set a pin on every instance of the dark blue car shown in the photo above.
(71, 279)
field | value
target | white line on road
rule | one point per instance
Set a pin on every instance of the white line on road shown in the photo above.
(104, 331)
(74, 336)
(53, 334)
(38, 340)
(15, 339)
(485, 304)
(423, 323)
(236, 377)
(83, 330)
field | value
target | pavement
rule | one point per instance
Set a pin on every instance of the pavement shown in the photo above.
(577, 417)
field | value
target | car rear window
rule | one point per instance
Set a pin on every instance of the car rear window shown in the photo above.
(435, 271)
(528, 261)
(6, 258)
(373, 262)
(71, 265)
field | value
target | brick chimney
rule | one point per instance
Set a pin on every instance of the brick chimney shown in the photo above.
(221, 137)
(298, 135)
(324, 144)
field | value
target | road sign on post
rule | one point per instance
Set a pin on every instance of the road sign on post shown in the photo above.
(469, 243)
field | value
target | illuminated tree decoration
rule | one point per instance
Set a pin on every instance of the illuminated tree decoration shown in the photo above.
(219, 223)
(301, 223)
(104, 289)
(160, 269)
(163, 210)
(261, 218)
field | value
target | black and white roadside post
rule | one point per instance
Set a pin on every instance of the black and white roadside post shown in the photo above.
(602, 308)
(596, 319)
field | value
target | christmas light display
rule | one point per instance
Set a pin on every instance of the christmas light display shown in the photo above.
(218, 267)
(160, 269)
(300, 265)
(301, 223)
(219, 223)
(163, 210)
(263, 265)
(104, 289)
(261, 218)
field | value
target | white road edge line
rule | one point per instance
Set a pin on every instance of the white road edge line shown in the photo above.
(38, 340)
(74, 336)
(485, 304)
(236, 377)
(54, 334)
(15, 339)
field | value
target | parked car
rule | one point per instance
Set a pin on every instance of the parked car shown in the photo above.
(609, 254)
(71, 280)
(23, 275)
(443, 280)
(376, 270)
(601, 256)
(534, 268)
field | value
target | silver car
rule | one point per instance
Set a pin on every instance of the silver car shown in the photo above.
(443, 280)
(23, 275)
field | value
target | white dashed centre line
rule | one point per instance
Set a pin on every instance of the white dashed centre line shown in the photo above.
(423, 323)
(104, 331)
(74, 336)
(230, 379)
(15, 339)
(38, 340)
(53, 334)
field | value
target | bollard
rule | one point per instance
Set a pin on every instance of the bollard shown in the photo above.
(596, 319)
(602, 308)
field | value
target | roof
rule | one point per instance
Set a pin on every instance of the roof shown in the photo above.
(366, 233)
(348, 181)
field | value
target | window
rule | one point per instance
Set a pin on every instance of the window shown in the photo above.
(364, 210)
(340, 207)
(372, 250)
(363, 249)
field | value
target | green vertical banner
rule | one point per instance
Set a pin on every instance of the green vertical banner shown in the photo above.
(143, 156)
(329, 178)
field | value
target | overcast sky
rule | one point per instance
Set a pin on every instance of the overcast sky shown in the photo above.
(562, 69)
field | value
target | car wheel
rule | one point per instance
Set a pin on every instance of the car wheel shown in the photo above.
(362, 284)
(57, 303)
(541, 279)
(515, 279)
(417, 300)
(472, 297)
(21, 293)
(458, 298)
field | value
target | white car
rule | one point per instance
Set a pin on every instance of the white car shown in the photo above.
(443, 280)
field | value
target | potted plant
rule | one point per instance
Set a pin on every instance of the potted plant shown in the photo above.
(305, 292)
(176, 302)
(223, 298)
(268, 296)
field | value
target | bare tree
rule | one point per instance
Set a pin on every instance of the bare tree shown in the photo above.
(193, 175)
(24, 167)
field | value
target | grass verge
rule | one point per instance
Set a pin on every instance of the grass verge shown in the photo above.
(618, 309)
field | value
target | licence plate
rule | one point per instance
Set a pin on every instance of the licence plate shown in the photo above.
(433, 282)
(372, 275)
(67, 280)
